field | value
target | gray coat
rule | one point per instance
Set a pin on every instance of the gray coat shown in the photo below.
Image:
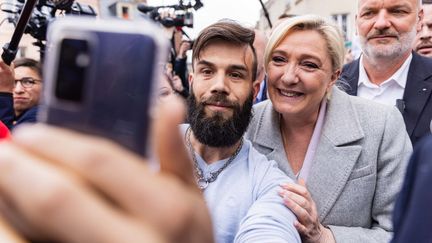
(358, 167)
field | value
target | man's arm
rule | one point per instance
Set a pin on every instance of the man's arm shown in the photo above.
(268, 220)
(59, 185)
(6, 100)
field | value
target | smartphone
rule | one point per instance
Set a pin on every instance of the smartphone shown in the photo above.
(100, 77)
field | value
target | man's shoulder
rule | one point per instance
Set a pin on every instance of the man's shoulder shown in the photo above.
(261, 167)
(351, 67)
(29, 116)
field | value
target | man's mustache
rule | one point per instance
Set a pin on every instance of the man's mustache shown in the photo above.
(220, 100)
(382, 33)
(424, 44)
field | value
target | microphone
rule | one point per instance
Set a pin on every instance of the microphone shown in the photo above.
(400, 104)
(144, 8)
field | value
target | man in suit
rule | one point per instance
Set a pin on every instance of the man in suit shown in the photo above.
(388, 71)
(423, 42)
(411, 218)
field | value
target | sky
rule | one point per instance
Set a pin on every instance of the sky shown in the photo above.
(244, 11)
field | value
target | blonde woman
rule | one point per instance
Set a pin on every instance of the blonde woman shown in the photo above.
(348, 155)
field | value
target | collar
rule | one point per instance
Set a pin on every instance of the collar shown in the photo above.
(400, 76)
(340, 117)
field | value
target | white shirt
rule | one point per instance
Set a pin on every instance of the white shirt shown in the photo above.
(390, 90)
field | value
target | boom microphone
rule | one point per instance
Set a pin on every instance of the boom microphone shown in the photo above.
(10, 49)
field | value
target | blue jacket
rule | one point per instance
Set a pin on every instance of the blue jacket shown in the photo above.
(412, 215)
(7, 114)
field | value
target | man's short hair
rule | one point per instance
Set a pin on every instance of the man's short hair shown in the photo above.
(29, 63)
(227, 31)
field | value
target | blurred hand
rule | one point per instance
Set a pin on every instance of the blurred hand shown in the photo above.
(177, 83)
(184, 47)
(7, 77)
(297, 198)
(59, 185)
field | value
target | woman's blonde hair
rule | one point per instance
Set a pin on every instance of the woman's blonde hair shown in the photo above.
(330, 32)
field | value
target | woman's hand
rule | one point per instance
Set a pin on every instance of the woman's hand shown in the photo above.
(297, 198)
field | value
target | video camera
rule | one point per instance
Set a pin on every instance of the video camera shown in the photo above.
(45, 11)
(183, 16)
(33, 16)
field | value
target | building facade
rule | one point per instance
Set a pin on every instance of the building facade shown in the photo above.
(342, 12)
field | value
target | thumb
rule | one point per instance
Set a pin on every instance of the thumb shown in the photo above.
(169, 143)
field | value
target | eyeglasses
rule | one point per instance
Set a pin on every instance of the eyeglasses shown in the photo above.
(27, 82)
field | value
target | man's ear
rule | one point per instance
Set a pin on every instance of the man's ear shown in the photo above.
(190, 78)
(256, 85)
(420, 20)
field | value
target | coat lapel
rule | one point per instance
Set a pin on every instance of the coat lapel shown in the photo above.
(337, 153)
(417, 91)
(269, 138)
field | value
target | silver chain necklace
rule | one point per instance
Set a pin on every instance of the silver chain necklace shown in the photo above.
(201, 180)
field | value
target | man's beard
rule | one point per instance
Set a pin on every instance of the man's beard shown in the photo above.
(217, 131)
(394, 50)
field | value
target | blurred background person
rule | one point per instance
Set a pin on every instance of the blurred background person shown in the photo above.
(349, 57)
(175, 81)
(423, 41)
(20, 91)
(259, 44)
(347, 154)
(165, 87)
(180, 68)
(27, 91)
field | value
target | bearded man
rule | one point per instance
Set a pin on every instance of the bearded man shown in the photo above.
(239, 184)
(388, 71)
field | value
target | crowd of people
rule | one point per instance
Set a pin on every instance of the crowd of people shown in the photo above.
(284, 142)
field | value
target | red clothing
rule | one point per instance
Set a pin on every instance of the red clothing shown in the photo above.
(4, 131)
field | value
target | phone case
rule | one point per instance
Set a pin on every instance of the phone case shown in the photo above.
(100, 76)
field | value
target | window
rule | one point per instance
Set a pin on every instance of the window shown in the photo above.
(342, 21)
